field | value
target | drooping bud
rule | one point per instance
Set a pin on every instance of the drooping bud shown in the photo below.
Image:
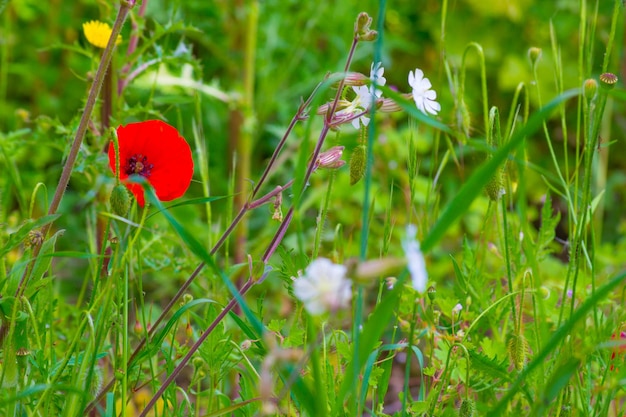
(119, 200)
(517, 347)
(331, 158)
(534, 54)
(357, 164)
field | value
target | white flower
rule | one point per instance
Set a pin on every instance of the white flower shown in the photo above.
(456, 310)
(324, 287)
(365, 96)
(376, 75)
(422, 94)
(415, 259)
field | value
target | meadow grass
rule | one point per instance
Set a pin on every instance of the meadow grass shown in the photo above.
(331, 257)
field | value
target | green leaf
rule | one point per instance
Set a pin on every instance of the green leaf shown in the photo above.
(557, 338)
(474, 185)
(17, 238)
(547, 229)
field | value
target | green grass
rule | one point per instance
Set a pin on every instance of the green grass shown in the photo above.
(188, 307)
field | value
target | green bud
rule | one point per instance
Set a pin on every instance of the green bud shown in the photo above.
(534, 54)
(357, 164)
(590, 88)
(432, 293)
(467, 408)
(495, 187)
(517, 347)
(120, 200)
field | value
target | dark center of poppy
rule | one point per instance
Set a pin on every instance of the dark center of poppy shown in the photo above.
(138, 164)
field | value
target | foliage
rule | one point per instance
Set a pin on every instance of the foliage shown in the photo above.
(189, 307)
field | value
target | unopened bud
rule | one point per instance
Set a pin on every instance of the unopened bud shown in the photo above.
(357, 164)
(355, 79)
(363, 23)
(432, 293)
(517, 347)
(331, 158)
(467, 408)
(534, 54)
(372, 270)
(590, 88)
(362, 29)
(388, 105)
(495, 187)
(34, 238)
(119, 200)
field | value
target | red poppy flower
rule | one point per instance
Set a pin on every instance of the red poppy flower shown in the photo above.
(156, 151)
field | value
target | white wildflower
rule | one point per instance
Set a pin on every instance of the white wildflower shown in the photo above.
(323, 287)
(415, 259)
(422, 94)
(456, 310)
(365, 96)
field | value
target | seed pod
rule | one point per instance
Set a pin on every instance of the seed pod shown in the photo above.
(357, 164)
(467, 408)
(495, 187)
(518, 349)
(120, 200)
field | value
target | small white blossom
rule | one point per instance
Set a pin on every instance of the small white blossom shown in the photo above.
(323, 287)
(376, 75)
(365, 96)
(456, 310)
(415, 259)
(422, 94)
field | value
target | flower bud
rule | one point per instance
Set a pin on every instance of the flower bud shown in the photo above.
(388, 106)
(34, 238)
(467, 408)
(534, 54)
(517, 347)
(495, 187)
(363, 23)
(357, 164)
(331, 158)
(590, 88)
(119, 200)
(432, 293)
(368, 271)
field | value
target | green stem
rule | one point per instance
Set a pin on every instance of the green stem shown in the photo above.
(322, 215)
(433, 404)
(82, 126)
(483, 79)
(245, 139)
(318, 375)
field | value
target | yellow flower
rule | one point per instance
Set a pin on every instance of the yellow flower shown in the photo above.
(98, 33)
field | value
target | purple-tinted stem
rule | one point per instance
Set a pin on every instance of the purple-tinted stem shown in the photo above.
(231, 304)
(132, 46)
(280, 233)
